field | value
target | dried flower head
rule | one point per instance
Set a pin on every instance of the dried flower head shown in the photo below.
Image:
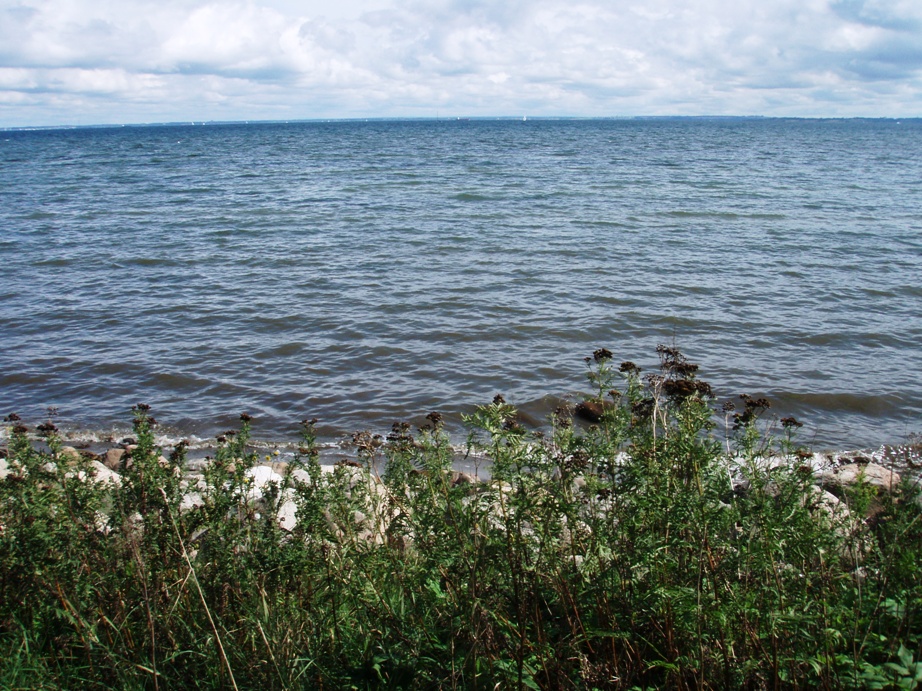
(644, 408)
(47, 428)
(435, 418)
(577, 461)
(563, 417)
(179, 450)
(498, 399)
(678, 389)
(602, 355)
(668, 352)
(400, 433)
(684, 369)
(511, 424)
(245, 417)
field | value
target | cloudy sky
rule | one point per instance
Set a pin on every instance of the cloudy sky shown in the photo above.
(126, 61)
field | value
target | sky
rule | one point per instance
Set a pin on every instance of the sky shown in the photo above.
(83, 62)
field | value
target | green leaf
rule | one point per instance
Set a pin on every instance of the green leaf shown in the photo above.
(902, 671)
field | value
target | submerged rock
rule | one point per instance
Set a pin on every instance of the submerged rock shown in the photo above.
(590, 411)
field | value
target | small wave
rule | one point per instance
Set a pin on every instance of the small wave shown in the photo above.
(169, 381)
(851, 339)
(283, 350)
(112, 368)
(56, 261)
(151, 261)
(22, 379)
(606, 224)
(862, 404)
(718, 214)
(472, 197)
(873, 292)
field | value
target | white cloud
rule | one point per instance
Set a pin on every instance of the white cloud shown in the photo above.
(193, 59)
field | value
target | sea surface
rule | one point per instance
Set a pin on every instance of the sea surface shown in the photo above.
(363, 273)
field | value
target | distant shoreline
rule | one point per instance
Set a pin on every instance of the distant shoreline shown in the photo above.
(464, 119)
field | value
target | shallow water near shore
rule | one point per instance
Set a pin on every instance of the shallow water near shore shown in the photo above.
(367, 272)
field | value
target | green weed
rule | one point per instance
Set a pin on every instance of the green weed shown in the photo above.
(622, 554)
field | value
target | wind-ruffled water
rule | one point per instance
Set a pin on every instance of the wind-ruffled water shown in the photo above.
(367, 272)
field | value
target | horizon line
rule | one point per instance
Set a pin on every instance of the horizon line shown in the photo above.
(479, 118)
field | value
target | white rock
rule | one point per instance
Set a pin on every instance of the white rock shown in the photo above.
(102, 475)
(301, 475)
(260, 477)
(190, 501)
(822, 500)
(848, 475)
(287, 515)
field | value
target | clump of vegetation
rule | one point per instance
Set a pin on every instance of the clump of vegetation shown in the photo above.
(625, 554)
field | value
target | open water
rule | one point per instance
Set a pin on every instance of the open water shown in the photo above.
(368, 272)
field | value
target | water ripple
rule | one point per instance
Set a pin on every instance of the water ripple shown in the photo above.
(360, 272)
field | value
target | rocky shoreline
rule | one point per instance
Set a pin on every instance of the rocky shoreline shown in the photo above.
(834, 474)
